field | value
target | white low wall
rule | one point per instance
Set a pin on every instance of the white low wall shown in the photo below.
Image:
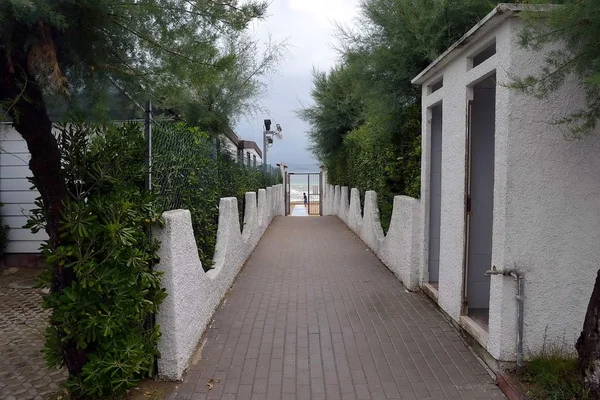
(400, 249)
(194, 295)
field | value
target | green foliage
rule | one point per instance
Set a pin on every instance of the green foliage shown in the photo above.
(365, 124)
(3, 235)
(575, 26)
(190, 56)
(367, 162)
(191, 171)
(107, 310)
(338, 110)
(215, 104)
(552, 374)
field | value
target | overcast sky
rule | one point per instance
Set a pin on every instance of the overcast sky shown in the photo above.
(308, 26)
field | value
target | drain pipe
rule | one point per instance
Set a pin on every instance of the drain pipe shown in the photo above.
(520, 279)
(520, 319)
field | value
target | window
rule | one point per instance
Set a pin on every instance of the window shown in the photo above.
(248, 157)
(437, 85)
(254, 156)
(485, 53)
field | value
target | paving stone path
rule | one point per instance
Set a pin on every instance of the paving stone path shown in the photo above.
(315, 315)
(23, 373)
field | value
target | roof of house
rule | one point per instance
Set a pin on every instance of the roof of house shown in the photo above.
(249, 144)
(499, 14)
(231, 135)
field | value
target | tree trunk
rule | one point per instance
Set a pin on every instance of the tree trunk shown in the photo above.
(21, 97)
(588, 344)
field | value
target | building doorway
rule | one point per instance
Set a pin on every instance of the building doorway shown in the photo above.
(435, 195)
(303, 194)
(479, 200)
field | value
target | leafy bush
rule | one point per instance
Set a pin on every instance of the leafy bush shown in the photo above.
(106, 314)
(183, 175)
(192, 172)
(3, 235)
(368, 160)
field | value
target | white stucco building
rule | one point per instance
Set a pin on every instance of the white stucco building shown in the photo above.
(503, 188)
(508, 205)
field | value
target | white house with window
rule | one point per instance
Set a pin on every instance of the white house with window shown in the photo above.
(252, 154)
(246, 152)
(18, 199)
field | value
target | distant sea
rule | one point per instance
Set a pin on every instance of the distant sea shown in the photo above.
(299, 186)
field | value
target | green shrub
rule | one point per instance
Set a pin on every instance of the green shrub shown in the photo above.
(107, 312)
(184, 176)
(3, 235)
(192, 172)
(371, 159)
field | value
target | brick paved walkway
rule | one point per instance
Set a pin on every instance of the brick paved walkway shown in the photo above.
(315, 315)
(23, 372)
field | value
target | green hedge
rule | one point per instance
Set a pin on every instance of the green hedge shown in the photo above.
(102, 321)
(369, 160)
(191, 171)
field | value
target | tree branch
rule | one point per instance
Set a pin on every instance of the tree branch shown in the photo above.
(161, 47)
(195, 11)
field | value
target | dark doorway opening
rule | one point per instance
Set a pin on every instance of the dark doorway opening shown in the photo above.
(435, 195)
(480, 200)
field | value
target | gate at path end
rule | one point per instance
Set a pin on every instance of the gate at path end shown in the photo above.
(298, 185)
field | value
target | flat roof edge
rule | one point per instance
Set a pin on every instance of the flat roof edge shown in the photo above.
(500, 13)
(250, 144)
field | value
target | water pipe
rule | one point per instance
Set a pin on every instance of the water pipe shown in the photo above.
(520, 279)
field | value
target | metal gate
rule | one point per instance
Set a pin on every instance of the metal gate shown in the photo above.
(299, 185)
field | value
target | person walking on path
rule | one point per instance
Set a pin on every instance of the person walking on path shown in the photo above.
(305, 200)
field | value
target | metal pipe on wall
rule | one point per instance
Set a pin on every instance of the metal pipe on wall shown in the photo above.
(520, 298)
(520, 319)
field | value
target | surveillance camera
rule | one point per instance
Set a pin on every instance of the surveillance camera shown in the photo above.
(267, 124)
(278, 128)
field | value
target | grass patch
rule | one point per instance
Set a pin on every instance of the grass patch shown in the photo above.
(551, 375)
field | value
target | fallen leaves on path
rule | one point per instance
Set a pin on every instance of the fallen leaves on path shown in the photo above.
(211, 383)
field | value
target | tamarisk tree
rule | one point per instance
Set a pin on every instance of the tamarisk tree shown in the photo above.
(152, 49)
